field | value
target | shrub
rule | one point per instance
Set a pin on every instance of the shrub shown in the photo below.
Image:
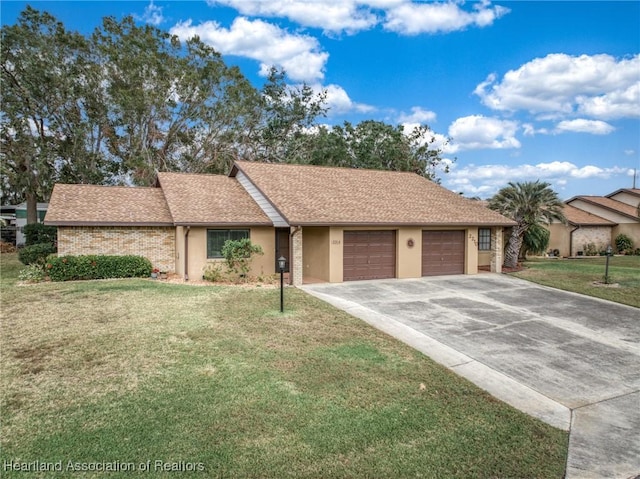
(36, 253)
(67, 268)
(238, 255)
(536, 240)
(590, 249)
(623, 243)
(36, 233)
(213, 272)
(34, 273)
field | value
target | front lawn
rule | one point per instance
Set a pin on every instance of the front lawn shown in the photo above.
(126, 375)
(583, 275)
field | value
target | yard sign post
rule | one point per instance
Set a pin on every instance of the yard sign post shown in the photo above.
(606, 268)
(282, 262)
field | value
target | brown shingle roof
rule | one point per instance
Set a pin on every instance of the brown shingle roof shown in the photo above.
(314, 195)
(107, 205)
(576, 216)
(610, 204)
(209, 200)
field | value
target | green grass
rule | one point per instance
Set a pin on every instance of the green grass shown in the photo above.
(583, 275)
(130, 371)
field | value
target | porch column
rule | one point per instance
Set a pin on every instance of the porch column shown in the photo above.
(497, 250)
(296, 267)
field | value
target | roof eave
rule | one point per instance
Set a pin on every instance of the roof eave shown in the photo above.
(222, 224)
(401, 224)
(105, 223)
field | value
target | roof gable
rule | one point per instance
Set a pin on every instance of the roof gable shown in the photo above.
(314, 195)
(197, 199)
(576, 216)
(608, 205)
(107, 205)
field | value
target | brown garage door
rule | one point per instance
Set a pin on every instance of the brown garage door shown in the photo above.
(369, 255)
(442, 252)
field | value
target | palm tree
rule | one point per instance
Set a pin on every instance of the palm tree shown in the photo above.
(530, 203)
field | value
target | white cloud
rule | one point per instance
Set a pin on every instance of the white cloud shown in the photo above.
(417, 115)
(337, 16)
(408, 18)
(599, 86)
(486, 180)
(338, 100)
(595, 127)
(351, 16)
(480, 132)
(299, 55)
(530, 130)
(152, 15)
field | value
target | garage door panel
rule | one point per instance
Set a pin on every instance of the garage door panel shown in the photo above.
(443, 252)
(369, 255)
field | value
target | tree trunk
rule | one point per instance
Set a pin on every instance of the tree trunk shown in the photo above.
(32, 207)
(513, 247)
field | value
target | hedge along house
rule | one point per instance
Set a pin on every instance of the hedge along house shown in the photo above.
(332, 224)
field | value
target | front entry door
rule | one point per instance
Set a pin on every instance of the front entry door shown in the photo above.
(282, 247)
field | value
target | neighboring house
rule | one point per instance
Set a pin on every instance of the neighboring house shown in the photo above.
(332, 224)
(582, 230)
(16, 215)
(595, 221)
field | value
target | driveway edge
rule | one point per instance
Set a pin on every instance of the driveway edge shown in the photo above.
(495, 383)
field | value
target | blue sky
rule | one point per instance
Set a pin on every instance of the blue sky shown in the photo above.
(526, 90)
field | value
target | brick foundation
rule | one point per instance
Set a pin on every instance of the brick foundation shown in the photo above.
(158, 244)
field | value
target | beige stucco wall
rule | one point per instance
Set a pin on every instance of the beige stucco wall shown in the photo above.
(336, 255)
(315, 254)
(155, 243)
(409, 258)
(471, 251)
(632, 230)
(261, 264)
(559, 238)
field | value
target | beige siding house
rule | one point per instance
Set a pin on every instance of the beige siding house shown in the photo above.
(595, 221)
(331, 224)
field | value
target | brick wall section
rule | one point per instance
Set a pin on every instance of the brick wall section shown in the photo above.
(600, 236)
(158, 244)
(296, 257)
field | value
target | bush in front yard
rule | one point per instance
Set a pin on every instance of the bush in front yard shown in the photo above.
(624, 244)
(36, 233)
(67, 268)
(34, 273)
(36, 253)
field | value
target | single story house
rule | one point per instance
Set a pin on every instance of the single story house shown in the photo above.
(595, 221)
(331, 224)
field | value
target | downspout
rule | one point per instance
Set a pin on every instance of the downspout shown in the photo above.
(296, 230)
(186, 254)
(571, 239)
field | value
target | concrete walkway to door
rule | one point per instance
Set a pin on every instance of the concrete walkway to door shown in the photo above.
(568, 359)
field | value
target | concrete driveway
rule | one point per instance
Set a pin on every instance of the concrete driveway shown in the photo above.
(570, 360)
